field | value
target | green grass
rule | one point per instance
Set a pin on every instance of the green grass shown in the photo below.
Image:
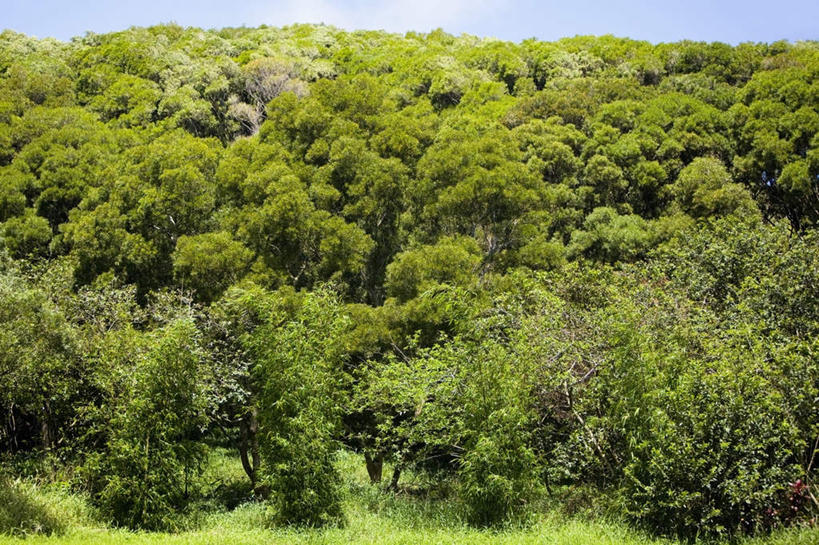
(27, 509)
(373, 517)
(374, 529)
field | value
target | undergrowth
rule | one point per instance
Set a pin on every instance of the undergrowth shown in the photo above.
(423, 510)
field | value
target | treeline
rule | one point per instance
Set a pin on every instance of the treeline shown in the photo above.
(587, 265)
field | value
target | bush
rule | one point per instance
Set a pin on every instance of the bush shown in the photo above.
(719, 457)
(140, 477)
(499, 472)
(300, 368)
(499, 478)
(307, 488)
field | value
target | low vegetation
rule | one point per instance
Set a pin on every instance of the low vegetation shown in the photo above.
(421, 512)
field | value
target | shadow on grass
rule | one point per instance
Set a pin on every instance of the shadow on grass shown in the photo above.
(23, 513)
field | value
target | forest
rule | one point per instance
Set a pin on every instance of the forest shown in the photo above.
(303, 276)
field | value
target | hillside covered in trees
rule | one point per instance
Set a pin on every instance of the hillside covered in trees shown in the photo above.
(583, 272)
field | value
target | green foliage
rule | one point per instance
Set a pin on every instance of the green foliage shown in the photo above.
(499, 479)
(499, 471)
(28, 510)
(451, 261)
(300, 369)
(719, 454)
(211, 263)
(27, 236)
(40, 375)
(588, 264)
(704, 189)
(463, 400)
(140, 477)
(610, 237)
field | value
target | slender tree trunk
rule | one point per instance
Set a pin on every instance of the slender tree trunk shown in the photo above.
(46, 434)
(375, 466)
(396, 474)
(260, 490)
(244, 448)
(249, 451)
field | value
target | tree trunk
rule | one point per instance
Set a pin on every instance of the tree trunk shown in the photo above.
(249, 450)
(244, 447)
(45, 428)
(375, 466)
(45, 435)
(396, 474)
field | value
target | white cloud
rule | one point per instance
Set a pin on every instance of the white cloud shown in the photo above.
(393, 16)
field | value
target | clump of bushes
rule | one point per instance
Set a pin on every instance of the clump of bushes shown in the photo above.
(718, 454)
(150, 456)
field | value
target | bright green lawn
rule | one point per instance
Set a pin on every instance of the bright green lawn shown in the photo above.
(372, 529)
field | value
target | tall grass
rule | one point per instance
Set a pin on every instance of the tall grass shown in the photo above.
(26, 509)
(425, 512)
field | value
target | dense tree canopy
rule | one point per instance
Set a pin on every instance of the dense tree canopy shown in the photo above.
(589, 262)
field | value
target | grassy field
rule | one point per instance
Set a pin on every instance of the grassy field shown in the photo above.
(373, 517)
(365, 528)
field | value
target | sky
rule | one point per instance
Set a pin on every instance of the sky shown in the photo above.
(731, 21)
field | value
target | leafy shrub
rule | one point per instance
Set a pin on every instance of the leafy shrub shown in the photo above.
(499, 472)
(499, 478)
(719, 455)
(300, 370)
(140, 477)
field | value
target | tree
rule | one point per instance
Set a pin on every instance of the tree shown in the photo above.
(27, 235)
(210, 263)
(154, 411)
(462, 405)
(40, 371)
(300, 369)
(704, 189)
(609, 236)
